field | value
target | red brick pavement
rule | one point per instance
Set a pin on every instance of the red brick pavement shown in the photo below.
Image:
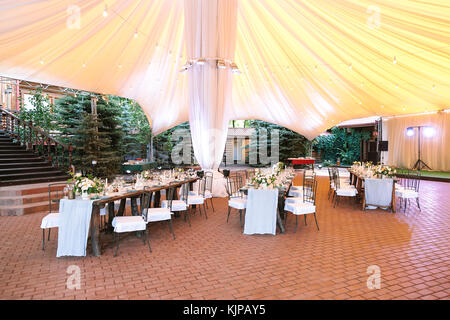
(214, 260)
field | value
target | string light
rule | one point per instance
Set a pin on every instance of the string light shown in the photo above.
(105, 11)
(41, 61)
(315, 68)
(350, 66)
(395, 60)
(84, 65)
(136, 34)
(433, 87)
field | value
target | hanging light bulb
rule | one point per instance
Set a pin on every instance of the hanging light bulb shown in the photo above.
(136, 34)
(433, 87)
(105, 11)
(315, 68)
(235, 69)
(84, 65)
(362, 84)
(394, 61)
(350, 66)
(41, 61)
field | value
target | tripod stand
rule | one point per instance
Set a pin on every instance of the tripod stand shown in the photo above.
(419, 165)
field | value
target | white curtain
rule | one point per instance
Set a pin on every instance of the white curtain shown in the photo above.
(210, 28)
(403, 149)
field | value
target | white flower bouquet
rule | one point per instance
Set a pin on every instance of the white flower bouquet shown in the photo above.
(87, 184)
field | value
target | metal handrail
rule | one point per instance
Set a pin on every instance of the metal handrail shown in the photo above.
(36, 139)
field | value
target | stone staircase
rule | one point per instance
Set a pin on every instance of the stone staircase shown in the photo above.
(24, 179)
(19, 166)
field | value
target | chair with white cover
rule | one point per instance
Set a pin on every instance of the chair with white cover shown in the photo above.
(157, 214)
(122, 224)
(177, 205)
(342, 189)
(208, 179)
(409, 190)
(51, 220)
(198, 199)
(305, 207)
(236, 199)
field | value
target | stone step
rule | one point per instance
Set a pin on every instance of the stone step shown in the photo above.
(17, 155)
(29, 208)
(30, 189)
(39, 174)
(23, 164)
(18, 200)
(18, 170)
(33, 180)
(21, 160)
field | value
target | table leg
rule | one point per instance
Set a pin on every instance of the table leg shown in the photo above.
(95, 234)
(121, 207)
(111, 214)
(157, 201)
(135, 212)
(280, 223)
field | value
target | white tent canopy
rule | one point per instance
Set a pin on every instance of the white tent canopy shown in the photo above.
(306, 65)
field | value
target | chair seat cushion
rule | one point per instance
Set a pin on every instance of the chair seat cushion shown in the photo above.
(208, 194)
(299, 208)
(346, 192)
(177, 205)
(294, 199)
(296, 193)
(128, 224)
(237, 203)
(407, 194)
(158, 214)
(195, 199)
(50, 221)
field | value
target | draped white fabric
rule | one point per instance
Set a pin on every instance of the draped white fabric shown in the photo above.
(210, 27)
(403, 149)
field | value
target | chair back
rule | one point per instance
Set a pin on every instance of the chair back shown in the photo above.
(55, 194)
(146, 200)
(170, 195)
(232, 187)
(209, 178)
(412, 181)
(202, 186)
(184, 191)
(336, 180)
(309, 191)
(308, 175)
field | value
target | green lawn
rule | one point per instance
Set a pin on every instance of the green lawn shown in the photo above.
(436, 174)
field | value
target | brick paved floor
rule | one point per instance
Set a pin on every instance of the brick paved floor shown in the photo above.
(214, 260)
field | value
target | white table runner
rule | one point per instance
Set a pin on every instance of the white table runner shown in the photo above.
(74, 221)
(378, 192)
(261, 212)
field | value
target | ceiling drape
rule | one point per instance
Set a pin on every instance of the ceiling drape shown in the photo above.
(210, 27)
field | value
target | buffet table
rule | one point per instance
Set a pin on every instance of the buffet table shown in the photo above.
(303, 161)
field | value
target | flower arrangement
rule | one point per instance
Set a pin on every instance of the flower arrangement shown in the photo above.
(88, 184)
(146, 174)
(384, 170)
(264, 180)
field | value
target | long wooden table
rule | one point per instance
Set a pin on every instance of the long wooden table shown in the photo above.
(109, 202)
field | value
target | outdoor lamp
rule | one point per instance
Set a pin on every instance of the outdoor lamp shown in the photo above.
(429, 131)
(410, 131)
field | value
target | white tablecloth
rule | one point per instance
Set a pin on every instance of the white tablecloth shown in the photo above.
(261, 212)
(74, 221)
(378, 192)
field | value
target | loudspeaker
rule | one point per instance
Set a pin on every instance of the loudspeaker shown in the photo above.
(383, 146)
